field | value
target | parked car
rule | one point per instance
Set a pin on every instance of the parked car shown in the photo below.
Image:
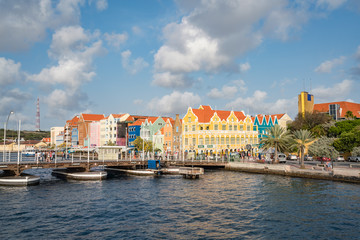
(292, 157)
(308, 158)
(340, 159)
(324, 159)
(354, 159)
(282, 158)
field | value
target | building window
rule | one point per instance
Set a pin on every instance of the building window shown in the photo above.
(222, 140)
(216, 127)
(212, 140)
(230, 127)
(189, 119)
(237, 140)
(186, 141)
(241, 128)
(177, 129)
(227, 140)
(235, 128)
(232, 140)
(207, 140)
(194, 141)
(223, 127)
(186, 128)
(193, 128)
(248, 128)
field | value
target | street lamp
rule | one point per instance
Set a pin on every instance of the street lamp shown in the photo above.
(5, 125)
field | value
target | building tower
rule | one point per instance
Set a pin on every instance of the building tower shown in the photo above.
(37, 116)
(305, 103)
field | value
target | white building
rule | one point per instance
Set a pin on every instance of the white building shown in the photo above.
(55, 134)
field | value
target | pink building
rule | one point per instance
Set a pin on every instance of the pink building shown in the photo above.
(94, 134)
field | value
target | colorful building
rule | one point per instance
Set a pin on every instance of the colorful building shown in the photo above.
(208, 131)
(134, 131)
(305, 103)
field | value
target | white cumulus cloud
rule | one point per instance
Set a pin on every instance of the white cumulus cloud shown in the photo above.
(9, 71)
(337, 92)
(116, 39)
(133, 66)
(174, 103)
(327, 66)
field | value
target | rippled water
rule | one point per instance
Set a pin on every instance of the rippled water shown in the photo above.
(220, 205)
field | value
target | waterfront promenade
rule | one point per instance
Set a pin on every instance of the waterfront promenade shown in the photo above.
(319, 171)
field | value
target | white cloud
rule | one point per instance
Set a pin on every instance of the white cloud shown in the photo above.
(135, 66)
(137, 30)
(176, 102)
(215, 33)
(101, 5)
(338, 92)
(9, 71)
(228, 91)
(330, 4)
(244, 67)
(73, 49)
(59, 102)
(12, 100)
(256, 104)
(116, 39)
(327, 66)
(171, 80)
(138, 101)
(25, 22)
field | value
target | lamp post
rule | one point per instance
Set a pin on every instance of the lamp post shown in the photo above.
(5, 125)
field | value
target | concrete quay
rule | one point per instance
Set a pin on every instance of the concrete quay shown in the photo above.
(343, 174)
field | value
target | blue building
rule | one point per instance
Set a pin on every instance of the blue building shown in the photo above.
(74, 137)
(134, 131)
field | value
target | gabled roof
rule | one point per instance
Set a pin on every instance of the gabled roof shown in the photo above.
(205, 113)
(137, 122)
(92, 117)
(73, 121)
(344, 106)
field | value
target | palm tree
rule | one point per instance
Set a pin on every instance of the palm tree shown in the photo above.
(302, 139)
(276, 138)
(349, 115)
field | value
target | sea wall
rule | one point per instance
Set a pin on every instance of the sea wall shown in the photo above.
(336, 174)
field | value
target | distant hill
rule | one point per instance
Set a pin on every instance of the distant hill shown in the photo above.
(26, 135)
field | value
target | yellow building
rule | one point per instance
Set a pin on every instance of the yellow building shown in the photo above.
(211, 131)
(305, 103)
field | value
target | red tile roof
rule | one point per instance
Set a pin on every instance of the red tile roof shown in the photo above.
(92, 117)
(344, 107)
(137, 122)
(205, 113)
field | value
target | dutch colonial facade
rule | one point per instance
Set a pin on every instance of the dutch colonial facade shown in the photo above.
(150, 126)
(108, 128)
(70, 124)
(265, 122)
(168, 135)
(177, 130)
(84, 127)
(134, 131)
(208, 131)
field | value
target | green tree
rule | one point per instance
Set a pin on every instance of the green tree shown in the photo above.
(139, 143)
(277, 138)
(301, 139)
(356, 151)
(349, 115)
(309, 121)
(323, 147)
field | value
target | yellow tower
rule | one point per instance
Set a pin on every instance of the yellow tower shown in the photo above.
(305, 103)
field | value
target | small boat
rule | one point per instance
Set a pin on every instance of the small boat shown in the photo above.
(23, 180)
(76, 175)
(29, 153)
(138, 172)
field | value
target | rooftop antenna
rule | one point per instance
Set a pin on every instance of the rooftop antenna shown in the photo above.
(37, 116)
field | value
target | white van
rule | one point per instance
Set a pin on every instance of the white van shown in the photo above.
(282, 158)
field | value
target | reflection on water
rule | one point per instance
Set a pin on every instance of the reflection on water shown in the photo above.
(219, 205)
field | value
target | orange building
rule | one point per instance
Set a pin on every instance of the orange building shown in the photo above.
(338, 110)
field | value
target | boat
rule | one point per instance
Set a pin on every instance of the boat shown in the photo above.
(77, 175)
(29, 153)
(138, 172)
(22, 180)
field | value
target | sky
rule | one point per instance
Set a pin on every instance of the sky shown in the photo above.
(159, 57)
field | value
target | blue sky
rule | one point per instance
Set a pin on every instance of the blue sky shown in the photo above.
(160, 57)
